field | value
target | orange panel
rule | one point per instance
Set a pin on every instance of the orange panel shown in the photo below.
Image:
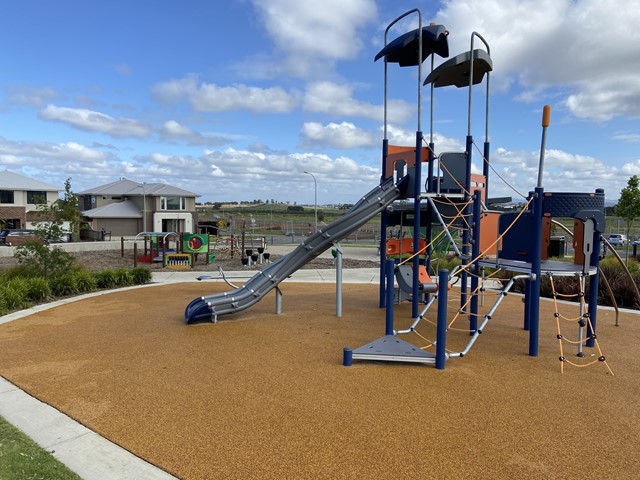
(479, 182)
(395, 247)
(404, 154)
(489, 233)
(578, 240)
(423, 276)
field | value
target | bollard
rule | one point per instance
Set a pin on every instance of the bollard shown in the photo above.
(347, 357)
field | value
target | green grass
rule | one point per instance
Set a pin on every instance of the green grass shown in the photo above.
(23, 459)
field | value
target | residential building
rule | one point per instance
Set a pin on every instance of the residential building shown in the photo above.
(126, 208)
(20, 195)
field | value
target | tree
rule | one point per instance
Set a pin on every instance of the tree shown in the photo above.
(628, 207)
(46, 260)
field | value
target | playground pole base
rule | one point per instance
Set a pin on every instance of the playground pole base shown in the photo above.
(392, 349)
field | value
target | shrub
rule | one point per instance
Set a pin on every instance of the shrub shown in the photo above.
(123, 277)
(19, 271)
(3, 306)
(49, 262)
(141, 275)
(106, 279)
(13, 298)
(85, 281)
(64, 285)
(38, 289)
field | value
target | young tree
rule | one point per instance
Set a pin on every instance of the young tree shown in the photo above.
(44, 259)
(628, 207)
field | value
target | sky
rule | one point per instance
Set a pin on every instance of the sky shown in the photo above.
(236, 100)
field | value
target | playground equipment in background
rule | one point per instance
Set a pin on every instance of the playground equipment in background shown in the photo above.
(453, 208)
(174, 250)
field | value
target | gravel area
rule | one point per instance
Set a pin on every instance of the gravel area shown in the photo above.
(101, 260)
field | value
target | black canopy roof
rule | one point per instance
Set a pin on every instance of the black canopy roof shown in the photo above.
(456, 70)
(404, 49)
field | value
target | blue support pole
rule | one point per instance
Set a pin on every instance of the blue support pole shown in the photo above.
(441, 334)
(465, 232)
(536, 254)
(383, 226)
(417, 189)
(388, 329)
(475, 252)
(593, 290)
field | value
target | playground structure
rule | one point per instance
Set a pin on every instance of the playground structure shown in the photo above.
(452, 205)
(456, 200)
(173, 250)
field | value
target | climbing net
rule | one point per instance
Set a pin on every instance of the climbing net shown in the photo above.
(583, 319)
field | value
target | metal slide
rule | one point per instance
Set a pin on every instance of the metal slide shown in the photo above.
(210, 307)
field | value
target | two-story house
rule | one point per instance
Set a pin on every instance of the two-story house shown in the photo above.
(20, 195)
(126, 208)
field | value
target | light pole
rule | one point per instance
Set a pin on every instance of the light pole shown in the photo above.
(315, 198)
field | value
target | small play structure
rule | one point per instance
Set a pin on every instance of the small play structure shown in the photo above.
(451, 210)
(176, 251)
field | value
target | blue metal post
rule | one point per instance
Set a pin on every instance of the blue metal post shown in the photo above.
(441, 334)
(383, 226)
(536, 254)
(417, 189)
(347, 356)
(388, 329)
(593, 290)
(475, 252)
(465, 232)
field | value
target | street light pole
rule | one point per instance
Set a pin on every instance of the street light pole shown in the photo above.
(315, 198)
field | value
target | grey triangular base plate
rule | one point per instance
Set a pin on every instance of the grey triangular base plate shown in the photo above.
(392, 349)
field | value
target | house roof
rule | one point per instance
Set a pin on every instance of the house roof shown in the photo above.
(13, 181)
(114, 210)
(128, 188)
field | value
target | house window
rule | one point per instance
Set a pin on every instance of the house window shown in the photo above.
(35, 197)
(173, 203)
(6, 196)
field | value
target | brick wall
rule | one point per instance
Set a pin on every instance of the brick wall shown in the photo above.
(14, 213)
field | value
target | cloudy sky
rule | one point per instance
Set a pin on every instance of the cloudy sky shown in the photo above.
(235, 100)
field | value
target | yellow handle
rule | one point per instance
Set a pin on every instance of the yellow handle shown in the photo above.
(546, 115)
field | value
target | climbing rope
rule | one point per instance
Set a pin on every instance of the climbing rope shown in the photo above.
(583, 321)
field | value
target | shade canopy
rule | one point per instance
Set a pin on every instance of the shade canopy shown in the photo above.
(404, 49)
(456, 70)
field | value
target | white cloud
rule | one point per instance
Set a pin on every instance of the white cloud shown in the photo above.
(93, 121)
(209, 97)
(311, 33)
(33, 97)
(339, 135)
(337, 100)
(563, 171)
(31, 150)
(232, 174)
(173, 130)
(401, 137)
(584, 49)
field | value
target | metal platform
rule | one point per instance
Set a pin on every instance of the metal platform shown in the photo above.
(392, 349)
(547, 267)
